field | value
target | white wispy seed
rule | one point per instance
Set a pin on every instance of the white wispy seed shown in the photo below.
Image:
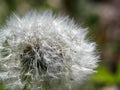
(42, 51)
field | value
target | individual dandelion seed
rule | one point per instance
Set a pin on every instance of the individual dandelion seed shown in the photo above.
(42, 51)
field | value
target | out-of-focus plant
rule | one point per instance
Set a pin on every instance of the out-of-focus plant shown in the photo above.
(105, 76)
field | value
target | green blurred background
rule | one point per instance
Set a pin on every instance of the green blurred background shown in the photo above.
(102, 17)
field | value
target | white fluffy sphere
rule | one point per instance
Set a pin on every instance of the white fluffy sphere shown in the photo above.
(42, 51)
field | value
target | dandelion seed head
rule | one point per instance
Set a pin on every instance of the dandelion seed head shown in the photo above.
(41, 50)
